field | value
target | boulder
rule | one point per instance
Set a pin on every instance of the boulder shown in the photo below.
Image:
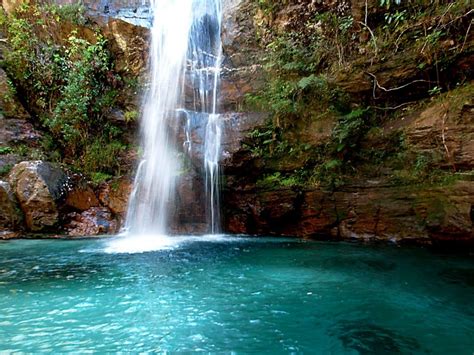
(94, 221)
(80, 196)
(129, 44)
(10, 213)
(114, 195)
(39, 187)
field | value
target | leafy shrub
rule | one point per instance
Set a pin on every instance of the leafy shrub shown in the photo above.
(74, 13)
(102, 156)
(67, 80)
(349, 130)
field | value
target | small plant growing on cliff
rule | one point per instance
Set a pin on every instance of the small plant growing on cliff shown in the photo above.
(277, 179)
(99, 178)
(350, 130)
(74, 13)
(388, 3)
(5, 150)
(67, 80)
(131, 116)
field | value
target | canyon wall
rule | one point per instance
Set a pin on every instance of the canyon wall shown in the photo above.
(401, 171)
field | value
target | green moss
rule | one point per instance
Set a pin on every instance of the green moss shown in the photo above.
(4, 170)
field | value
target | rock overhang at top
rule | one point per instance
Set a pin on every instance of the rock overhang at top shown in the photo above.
(135, 12)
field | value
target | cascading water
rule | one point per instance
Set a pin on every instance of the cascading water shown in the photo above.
(185, 53)
(205, 58)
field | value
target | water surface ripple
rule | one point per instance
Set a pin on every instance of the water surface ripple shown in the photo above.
(234, 294)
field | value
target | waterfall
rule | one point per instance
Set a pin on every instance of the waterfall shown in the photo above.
(205, 58)
(185, 53)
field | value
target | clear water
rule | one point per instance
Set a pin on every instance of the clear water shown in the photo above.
(234, 294)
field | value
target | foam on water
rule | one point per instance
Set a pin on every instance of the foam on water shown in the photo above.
(149, 242)
(140, 244)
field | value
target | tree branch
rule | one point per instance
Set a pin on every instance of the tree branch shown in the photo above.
(377, 85)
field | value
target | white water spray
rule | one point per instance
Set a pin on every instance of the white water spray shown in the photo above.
(185, 52)
(206, 52)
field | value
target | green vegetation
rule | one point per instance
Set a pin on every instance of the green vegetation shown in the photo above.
(5, 150)
(74, 13)
(308, 59)
(131, 116)
(99, 178)
(5, 169)
(274, 180)
(65, 74)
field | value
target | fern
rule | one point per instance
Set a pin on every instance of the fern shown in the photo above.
(307, 81)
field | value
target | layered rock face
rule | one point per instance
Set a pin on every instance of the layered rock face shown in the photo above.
(368, 209)
(365, 207)
(357, 212)
(15, 126)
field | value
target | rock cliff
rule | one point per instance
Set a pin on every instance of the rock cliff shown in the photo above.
(267, 189)
(343, 120)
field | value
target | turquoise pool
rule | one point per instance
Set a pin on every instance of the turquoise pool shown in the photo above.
(234, 294)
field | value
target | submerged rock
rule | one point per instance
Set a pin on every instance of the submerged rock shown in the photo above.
(38, 186)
